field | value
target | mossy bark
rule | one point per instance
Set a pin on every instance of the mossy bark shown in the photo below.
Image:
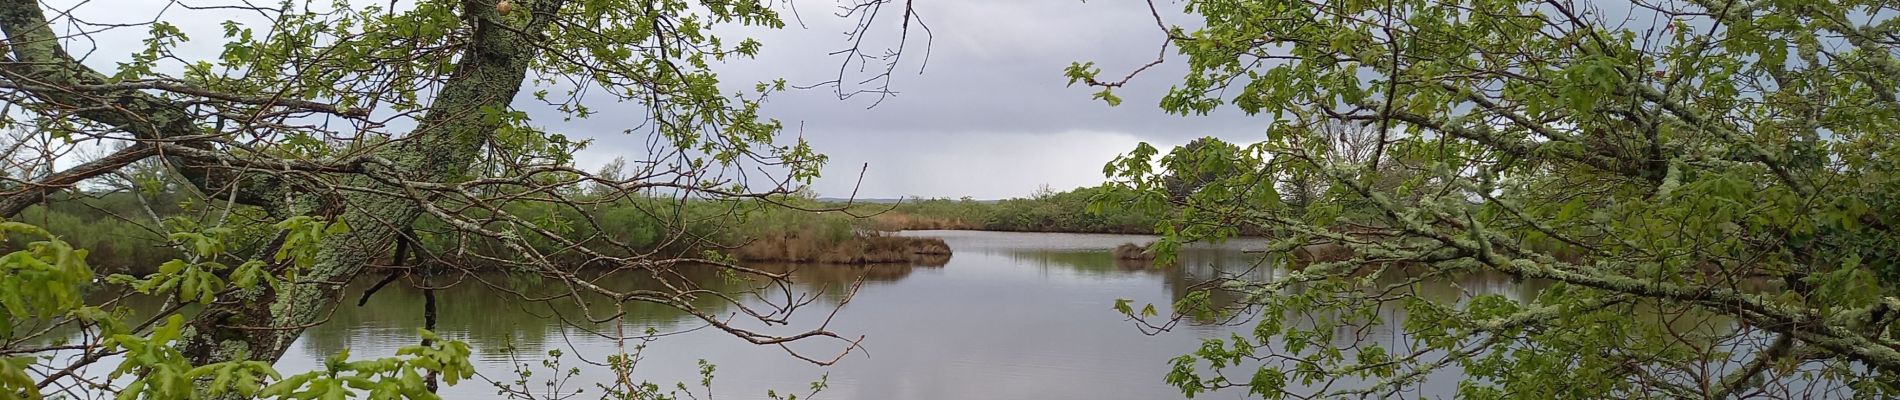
(444, 147)
(260, 324)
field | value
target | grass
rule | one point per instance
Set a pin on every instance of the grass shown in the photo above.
(123, 237)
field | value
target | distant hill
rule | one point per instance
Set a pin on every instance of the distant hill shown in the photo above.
(884, 200)
(859, 200)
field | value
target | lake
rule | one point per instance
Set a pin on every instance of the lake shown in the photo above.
(1010, 316)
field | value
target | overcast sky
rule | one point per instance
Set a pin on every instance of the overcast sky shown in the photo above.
(989, 116)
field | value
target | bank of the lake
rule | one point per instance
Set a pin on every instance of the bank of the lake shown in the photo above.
(1045, 211)
(753, 231)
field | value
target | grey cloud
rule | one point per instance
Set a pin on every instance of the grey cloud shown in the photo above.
(990, 116)
(997, 66)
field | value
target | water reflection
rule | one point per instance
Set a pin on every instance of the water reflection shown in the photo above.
(488, 310)
(1011, 315)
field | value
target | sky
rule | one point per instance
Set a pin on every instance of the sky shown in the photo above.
(989, 115)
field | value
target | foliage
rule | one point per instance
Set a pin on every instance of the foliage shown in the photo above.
(245, 177)
(48, 280)
(114, 227)
(555, 385)
(1711, 193)
(1069, 211)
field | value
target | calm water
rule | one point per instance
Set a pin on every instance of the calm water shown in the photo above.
(1011, 316)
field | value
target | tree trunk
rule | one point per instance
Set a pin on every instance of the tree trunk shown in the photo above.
(260, 324)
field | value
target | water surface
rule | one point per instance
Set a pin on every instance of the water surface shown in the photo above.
(1011, 316)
